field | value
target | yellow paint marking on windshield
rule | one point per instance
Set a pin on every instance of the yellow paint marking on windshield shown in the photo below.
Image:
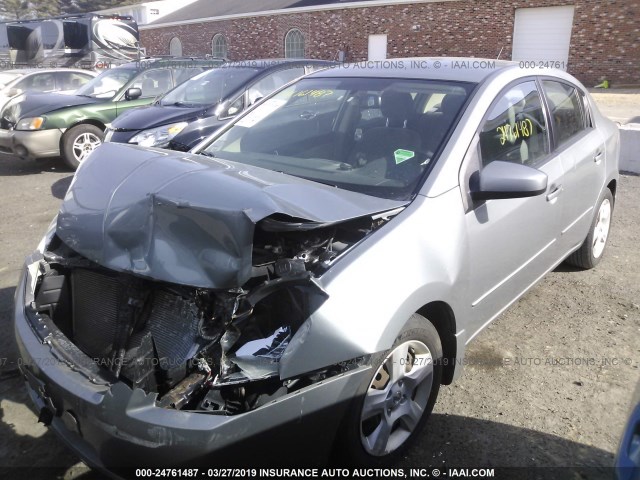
(317, 93)
(510, 133)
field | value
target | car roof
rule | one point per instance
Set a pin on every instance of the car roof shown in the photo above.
(266, 63)
(28, 71)
(148, 62)
(462, 69)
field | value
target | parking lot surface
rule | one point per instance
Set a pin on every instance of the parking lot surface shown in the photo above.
(547, 384)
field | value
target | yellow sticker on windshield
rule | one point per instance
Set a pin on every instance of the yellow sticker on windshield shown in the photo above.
(314, 93)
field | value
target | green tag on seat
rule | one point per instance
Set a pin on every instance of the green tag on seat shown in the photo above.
(403, 155)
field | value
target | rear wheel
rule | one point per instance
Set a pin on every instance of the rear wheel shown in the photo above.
(592, 250)
(396, 401)
(78, 142)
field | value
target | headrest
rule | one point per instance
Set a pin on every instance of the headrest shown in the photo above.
(396, 106)
(451, 103)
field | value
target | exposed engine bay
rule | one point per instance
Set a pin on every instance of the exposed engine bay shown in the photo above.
(208, 350)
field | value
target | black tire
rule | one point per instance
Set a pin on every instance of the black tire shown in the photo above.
(585, 257)
(71, 139)
(349, 448)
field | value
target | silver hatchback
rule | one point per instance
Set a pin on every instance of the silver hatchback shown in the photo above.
(321, 262)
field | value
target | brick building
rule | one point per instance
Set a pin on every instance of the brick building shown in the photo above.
(593, 39)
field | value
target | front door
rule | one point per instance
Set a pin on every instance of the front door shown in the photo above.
(512, 242)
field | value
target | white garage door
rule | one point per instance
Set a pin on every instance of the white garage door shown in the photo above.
(377, 47)
(542, 34)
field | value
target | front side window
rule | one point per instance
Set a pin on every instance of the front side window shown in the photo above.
(515, 129)
(69, 81)
(219, 47)
(175, 47)
(566, 110)
(314, 129)
(294, 44)
(153, 82)
(107, 84)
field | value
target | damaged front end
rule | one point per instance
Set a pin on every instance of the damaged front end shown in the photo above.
(208, 350)
(212, 346)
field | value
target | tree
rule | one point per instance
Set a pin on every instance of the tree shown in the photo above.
(44, 8)
(14, 9)
(23, 9)
(83, 6)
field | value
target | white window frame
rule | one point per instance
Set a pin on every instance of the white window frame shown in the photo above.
(294, 44)
(175, 47)
(217, 41)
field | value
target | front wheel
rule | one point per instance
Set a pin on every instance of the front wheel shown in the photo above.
(591, 251)
(78, 142)
(396, 401)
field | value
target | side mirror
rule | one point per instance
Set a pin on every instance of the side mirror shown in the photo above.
(12, 92)
(255, 100)
(132, 93)
(508, 180)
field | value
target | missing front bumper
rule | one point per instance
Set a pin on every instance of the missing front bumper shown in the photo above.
(112, 426)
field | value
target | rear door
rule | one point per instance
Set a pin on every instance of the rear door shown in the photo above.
(582, 150)
(512, 242)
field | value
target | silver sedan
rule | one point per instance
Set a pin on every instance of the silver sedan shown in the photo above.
(319, 265)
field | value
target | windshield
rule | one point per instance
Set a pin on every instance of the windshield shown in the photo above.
(6, 78)
(209, 87)
(107, 84)
(371, 135)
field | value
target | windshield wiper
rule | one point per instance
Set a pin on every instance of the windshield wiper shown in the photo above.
(207, 154)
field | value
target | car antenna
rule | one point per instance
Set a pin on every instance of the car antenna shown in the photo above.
(500, 53)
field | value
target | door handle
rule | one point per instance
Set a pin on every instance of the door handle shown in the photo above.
(307, 115)
(554, 193)
(598, 158)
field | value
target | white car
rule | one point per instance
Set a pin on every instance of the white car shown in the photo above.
(61, 80)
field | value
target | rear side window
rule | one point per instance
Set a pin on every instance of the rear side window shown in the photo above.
(567, 111)
(515, 129)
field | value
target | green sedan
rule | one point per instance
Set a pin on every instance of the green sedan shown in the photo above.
(50, 125)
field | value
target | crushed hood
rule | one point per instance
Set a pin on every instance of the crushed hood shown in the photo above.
(188, 219)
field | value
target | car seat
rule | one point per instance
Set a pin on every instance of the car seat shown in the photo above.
(434, 126)
(384, 142)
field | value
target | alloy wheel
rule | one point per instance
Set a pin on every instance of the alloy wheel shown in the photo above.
(601, 229)
(397, 398)
(84, 144)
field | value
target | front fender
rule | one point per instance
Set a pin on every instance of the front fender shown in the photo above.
(416, 258)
